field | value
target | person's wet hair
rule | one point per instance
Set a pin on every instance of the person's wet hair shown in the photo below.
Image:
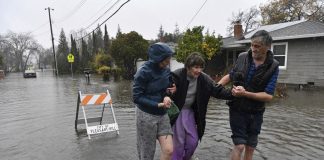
(266, 39)
(194, 59)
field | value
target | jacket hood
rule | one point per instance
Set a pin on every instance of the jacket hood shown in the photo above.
(157, 52)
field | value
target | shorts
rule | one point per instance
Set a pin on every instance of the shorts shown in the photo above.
(245, 127)
(149, 127)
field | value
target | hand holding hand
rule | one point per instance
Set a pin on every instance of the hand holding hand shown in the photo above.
(172, 89)
(167, 102)
(238, 91)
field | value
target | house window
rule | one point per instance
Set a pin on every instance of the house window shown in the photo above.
(280, 51)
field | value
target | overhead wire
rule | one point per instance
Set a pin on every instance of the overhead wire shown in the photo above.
(196, 14)
(104, 6)
(72, 12)
(113, 13)
(105, 20)
(56, 27)
(39, 34)
(42, 25)
(101, 15)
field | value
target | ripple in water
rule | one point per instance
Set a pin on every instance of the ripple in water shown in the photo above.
(37, 122)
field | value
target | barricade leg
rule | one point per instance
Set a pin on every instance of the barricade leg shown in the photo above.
(77, 114)
(112, 110)
(85, 121)
(103, 109)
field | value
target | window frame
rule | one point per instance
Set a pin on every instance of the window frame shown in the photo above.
(286, 53)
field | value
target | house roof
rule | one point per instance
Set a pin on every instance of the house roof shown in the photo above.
(229, 42)
(272, 28)
(285, 31)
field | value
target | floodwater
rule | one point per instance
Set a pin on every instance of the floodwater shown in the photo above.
(37, 122)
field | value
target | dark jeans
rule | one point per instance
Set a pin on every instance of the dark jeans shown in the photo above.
(245, 127)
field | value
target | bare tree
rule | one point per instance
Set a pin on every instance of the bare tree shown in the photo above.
(43, 57)
(18, 44)
(315, 10)
(32, 49)
(6, 54)
(1, 52)
(278, 11)
(248, 18)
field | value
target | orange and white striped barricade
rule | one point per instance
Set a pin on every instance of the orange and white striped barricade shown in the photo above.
(89, 100)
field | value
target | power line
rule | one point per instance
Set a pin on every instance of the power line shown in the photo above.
(57, 41)
(104, 6)
(106, 19)
(39, 34)
(54, 24)
(196, 14)
(101, 15)
(42, 25)
(114, 12)
(72, 12)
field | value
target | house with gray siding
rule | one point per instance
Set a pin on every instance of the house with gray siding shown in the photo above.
(298, 46)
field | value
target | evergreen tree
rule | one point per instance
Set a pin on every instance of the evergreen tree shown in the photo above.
(168, 37)
(107, 46)
(85, 56)
(99, 40)
(1, 63)
(106, 41)
(90, 45)
(76, 55)
(119, 32)
(94, 44)
(176, 34)
(161, 34)
(126, 49)
(62, 52)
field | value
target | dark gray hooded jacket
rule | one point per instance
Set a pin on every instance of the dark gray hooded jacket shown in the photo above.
(151, 81)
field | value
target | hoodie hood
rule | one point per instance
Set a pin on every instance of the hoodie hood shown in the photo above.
(158, 52)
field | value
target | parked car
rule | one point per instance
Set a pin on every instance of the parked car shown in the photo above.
(2, 74)
(30, 74)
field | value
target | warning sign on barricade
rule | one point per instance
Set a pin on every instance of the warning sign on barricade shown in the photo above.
(99, 102)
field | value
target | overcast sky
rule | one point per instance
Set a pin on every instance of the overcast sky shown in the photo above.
(142, 16)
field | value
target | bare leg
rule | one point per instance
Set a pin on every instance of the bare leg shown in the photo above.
(248, 153)
(237, 152)
(166, 147)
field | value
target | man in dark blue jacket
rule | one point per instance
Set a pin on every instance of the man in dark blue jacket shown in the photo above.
(149, 94)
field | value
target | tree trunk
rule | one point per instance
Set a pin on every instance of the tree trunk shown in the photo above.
(26, 61)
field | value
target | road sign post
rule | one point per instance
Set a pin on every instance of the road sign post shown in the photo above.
(70, 59)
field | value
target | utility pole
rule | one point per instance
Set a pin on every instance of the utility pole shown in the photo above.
(49, 16)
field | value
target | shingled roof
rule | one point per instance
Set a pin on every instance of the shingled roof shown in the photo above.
(283, 31)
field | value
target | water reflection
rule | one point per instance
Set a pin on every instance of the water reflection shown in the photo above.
(37, 122)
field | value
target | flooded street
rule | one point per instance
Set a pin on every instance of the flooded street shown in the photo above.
(37, 122)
